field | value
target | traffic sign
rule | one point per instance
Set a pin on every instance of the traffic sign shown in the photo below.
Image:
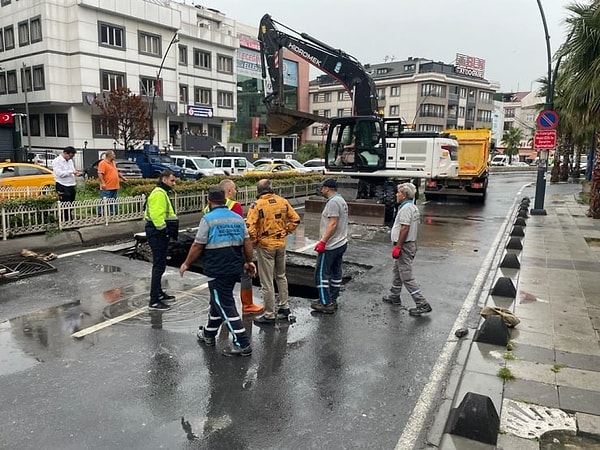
(547, 119)
(544, 140)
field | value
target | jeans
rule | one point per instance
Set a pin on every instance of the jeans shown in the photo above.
(328, 274)
(159, 243)
(108, 194)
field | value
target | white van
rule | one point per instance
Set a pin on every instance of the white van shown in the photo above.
(232, 165)
(196, 167)
(500, 160)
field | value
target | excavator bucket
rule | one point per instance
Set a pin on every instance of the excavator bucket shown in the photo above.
(283, 121)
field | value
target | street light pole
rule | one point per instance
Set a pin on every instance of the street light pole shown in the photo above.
(540, 185)
(174, 39)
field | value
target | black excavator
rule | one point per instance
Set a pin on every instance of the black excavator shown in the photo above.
(376, 151)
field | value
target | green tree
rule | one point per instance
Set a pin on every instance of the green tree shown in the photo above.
(511, 139)
(125, 115)
(308, 151)
(581, 53)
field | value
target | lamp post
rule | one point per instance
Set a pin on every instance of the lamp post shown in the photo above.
(174, 39)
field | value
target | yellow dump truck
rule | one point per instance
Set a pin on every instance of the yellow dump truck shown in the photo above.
(473, 156)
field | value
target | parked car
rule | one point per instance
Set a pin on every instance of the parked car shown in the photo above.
(42, 158)
(20, 175)
(266, 169)
(127, 168)
(232, 165)
(290, 162)
(519, 164)
(499, 160)
(196, 167)
(315, 165)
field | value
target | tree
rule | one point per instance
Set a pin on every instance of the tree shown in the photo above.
(125, 115)
(581, 53)
(308, 151)
(511, 139)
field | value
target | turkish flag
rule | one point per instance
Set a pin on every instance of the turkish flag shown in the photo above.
(6, 118)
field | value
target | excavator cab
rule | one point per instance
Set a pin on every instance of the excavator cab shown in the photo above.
(355, 144)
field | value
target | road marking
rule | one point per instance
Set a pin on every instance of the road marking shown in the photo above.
(416, 421)
(107, 323)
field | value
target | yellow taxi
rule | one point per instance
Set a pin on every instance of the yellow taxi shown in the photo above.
(15, 178)
(269, 169)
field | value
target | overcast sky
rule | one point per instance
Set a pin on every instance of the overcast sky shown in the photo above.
(508, 34)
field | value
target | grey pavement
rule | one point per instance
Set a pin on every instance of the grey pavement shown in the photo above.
(555, 360)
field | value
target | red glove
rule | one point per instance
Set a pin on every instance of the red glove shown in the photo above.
(396, 252)
(320, 247)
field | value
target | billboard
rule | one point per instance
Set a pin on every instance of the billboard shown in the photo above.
(470, 65)
(249, 63)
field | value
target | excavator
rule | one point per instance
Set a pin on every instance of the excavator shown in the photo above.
(366, 146)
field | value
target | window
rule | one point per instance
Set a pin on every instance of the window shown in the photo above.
(431, 128)
(56, 125)
(34, 123)
(2, 83)
(485, 97)
(380, 93)
(23, 33)
(461, 112)
(149, 87)
(9, 38)
(111, 81)
(224, 64)
(470, 114)
(327, 96)
(183, 55)
(39, 83)
(316, 131)
(343, 96)
(1, 40)
(26, 79)
(149, 44)
(184, 95)
(507, 126)
(463, 92)
(5, 2)
(202, 96)
(509, 112)
(340, 112)
(409, 67)
(452, 111)
(315, 98)
(202, 59)
(225, 99)
(395, 91)
(111, 35)
(394, 110)
(100, 128)
(35, 28)
(433, 90)
(11, 81)
(484, 115)
(327, 113)
(429, 110)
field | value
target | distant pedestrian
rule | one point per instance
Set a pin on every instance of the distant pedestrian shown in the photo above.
(404, 241)
(64, 174)
(223, 243)
(331, 247)
(109, 177)
(248, 307)
(270, 220)
(161, 226)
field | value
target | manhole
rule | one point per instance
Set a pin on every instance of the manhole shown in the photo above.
(17, 267)
(530, 421)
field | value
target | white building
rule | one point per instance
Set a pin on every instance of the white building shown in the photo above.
(69, 51)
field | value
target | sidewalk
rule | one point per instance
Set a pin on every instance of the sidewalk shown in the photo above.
(556, 357)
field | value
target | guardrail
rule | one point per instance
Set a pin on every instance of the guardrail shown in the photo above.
(7, 193)
(22, 220)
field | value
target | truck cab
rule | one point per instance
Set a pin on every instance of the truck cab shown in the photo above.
(152, 161)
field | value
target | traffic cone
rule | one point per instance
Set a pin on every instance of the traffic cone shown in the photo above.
(248, 307)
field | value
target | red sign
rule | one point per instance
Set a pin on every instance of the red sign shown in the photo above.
(6, 118)
(544, 140)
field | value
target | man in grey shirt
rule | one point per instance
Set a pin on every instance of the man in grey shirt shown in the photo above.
(331, 247)
(404, 241)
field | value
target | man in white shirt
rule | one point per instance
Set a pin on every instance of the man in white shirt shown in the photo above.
(64, 174)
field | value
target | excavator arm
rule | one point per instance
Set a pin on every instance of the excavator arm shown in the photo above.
(334, 62)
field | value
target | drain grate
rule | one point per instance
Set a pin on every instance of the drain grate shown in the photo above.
(531, 421)
(17, 267)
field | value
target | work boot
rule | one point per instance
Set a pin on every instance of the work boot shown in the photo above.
(392, 299)
(262, 320)
(283, 314)
(248, 307)
(234, 350)
(420, 310)
(320, 307)
(208, 341)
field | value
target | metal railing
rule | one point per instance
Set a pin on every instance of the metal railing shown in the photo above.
(22, 220)
(7, 193)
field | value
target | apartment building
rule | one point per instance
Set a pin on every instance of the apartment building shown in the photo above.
(427, 95)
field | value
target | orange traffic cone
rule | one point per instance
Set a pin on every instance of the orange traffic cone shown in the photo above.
(248, 307)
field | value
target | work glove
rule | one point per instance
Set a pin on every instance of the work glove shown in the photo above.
(320, 247)
(396, 252)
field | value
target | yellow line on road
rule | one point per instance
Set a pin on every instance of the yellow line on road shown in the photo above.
(107, 323)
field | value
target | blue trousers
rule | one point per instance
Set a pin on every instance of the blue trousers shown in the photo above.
(159, 243)
(108, 194)
(328, 274)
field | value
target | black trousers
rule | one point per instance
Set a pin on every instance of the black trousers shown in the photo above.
(65, 193)
(159, 243)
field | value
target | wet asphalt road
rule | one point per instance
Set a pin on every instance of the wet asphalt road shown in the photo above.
(350, 380)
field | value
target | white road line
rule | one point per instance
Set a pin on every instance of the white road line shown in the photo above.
(129, 315)
(416, 421)
(78, 252)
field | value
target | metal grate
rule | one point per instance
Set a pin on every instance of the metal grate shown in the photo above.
(17, 267)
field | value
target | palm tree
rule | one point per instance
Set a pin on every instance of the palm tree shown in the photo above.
(511, 139)
(581, 53)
